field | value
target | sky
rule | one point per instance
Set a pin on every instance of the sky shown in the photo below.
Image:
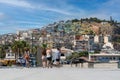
(29, 14)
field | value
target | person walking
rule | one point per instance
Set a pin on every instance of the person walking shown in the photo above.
(27, 58)
(57, 57)
(44, 60)
(49, 57)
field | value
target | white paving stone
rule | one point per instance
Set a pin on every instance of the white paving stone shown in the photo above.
(64, 73)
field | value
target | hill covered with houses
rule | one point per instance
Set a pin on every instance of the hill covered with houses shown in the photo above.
(85, 34)
(72, 32)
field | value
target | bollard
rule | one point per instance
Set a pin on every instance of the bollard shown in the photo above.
(118, 64)
(90, 64)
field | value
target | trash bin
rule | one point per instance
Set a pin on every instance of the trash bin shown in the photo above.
(90, 64)
(118, 64)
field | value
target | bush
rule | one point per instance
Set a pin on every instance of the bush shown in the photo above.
(78, 54)
(83, 53)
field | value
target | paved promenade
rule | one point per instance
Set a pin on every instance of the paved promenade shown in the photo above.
(63, 73)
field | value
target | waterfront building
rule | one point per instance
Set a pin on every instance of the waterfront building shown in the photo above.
(113, 56)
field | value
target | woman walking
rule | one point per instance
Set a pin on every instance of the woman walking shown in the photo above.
(44, 61)
(49, 57)
(27, 58)
(57, 56)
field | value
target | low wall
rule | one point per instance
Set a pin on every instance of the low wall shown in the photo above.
(96, 65)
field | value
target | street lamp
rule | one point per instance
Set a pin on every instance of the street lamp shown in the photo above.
(32, 39)
(32, 42)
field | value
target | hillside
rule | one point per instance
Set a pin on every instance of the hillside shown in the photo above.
(89, 26)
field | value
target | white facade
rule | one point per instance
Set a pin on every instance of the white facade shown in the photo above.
(96, 38)
(107, 38)
(25, 34)
(10, 56)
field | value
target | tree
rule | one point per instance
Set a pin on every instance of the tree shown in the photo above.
(75, 20)
(19, 47)
(78, 54)
(83, 54)
(2, 51)
(44, 45)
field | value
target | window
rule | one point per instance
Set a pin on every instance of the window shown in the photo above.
(8, 54)
(113, 58)
(119, 58)
(12, 54)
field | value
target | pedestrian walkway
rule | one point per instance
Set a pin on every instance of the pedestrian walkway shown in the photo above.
(64, 73)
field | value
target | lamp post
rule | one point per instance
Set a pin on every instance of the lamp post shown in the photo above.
(32, 39)
(18, 37)
(34, 56)
(0, 51)
(32, 42)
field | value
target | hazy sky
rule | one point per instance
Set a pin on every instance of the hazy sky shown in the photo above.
(26, 14)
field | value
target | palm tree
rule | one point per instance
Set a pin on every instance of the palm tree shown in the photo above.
(25, 46)
(19, 47)
(44, 45)
(2, 51)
